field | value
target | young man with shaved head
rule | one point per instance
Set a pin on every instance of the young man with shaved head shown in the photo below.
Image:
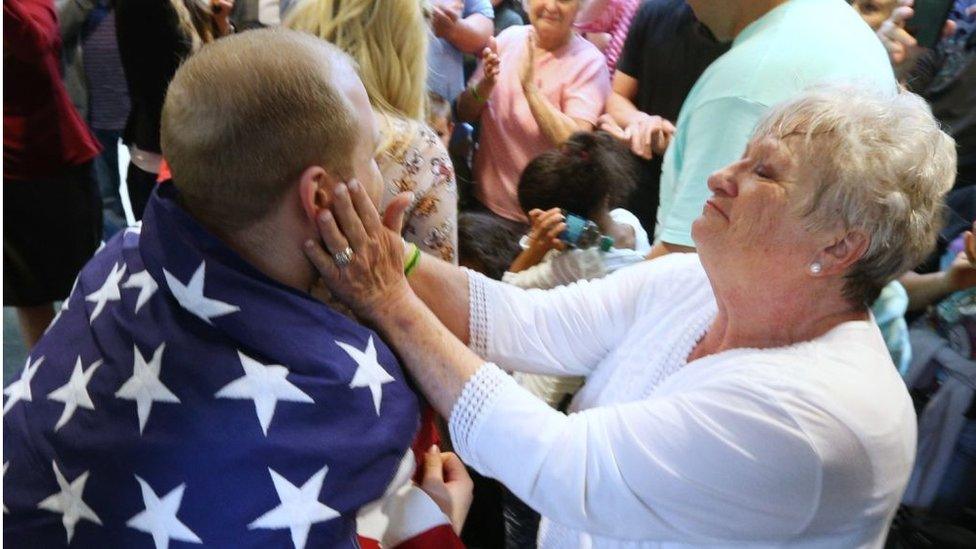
(192, 389)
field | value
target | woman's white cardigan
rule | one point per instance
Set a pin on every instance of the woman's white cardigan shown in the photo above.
(808, 445)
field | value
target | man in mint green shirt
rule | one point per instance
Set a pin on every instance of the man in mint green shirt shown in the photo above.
(779, 48)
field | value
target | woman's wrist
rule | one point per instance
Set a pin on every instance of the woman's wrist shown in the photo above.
(396, 312)
(481, 91)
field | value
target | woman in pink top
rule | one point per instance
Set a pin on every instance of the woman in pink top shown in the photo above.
(537, 85)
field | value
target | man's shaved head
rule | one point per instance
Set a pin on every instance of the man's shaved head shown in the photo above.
(247, 114)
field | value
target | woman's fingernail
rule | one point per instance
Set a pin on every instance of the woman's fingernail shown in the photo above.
(353, 185)
(325, 216)
(309, 244)
(341, 188)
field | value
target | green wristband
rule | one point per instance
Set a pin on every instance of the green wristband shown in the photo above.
(474, 93)
(412, 261)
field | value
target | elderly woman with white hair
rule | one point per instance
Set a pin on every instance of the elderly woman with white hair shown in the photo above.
(740, 395)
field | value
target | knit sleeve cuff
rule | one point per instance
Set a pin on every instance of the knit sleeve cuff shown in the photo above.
(479, 321)
(478, 397)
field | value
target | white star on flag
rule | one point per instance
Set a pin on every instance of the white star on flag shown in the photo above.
(74, 393)
(20, 389)
(265, 385)
(300, 508)
(147, 287)
(108, 292)
(144, 386)
(68, 502)
(191, 298)
(369, 373)
(159, 517)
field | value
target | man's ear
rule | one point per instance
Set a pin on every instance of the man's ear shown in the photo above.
(315, 187)
(846, 250)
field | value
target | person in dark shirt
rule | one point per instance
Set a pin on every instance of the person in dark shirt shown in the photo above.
(155, 36)
(667, 49)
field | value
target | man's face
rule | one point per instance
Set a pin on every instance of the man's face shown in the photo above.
(364, 166)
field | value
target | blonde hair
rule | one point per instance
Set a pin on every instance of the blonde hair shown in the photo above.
(194, 22)
(882, 164)
(245, 116)
(388, 40)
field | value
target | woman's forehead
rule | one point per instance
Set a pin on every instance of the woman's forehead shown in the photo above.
(775, 148)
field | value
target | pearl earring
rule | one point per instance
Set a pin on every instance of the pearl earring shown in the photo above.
(815, 267)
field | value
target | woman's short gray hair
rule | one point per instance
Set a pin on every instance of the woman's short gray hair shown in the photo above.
(880, 163)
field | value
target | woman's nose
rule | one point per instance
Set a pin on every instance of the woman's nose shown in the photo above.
(722, 183)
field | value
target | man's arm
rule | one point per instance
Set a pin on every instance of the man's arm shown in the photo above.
(663, 248)
(647, 135)
(620, 104)
(471, 33)
(466, 25)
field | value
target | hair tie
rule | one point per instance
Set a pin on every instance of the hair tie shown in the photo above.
(569, 151)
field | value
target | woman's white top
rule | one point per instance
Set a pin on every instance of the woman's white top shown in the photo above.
(808, 445)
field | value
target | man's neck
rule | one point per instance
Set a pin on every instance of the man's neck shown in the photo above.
(749, 12)
(274, 255)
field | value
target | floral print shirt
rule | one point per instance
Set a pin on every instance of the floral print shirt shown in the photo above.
(420, 163)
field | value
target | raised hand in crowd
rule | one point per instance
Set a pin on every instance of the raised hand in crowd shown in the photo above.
(220, 12)
(543, 237)
(471, 102)
(901, 45)
(448, 483)
(444, 14)
(962, 271)
(492, 65)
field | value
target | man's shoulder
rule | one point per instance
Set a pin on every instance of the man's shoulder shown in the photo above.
(789, 52)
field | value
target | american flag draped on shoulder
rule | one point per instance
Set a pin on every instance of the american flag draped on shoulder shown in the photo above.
(181, 397)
